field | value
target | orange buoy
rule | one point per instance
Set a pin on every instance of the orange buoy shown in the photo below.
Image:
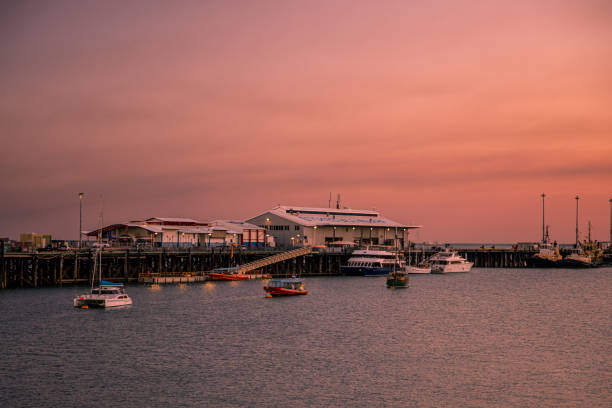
(84, 307)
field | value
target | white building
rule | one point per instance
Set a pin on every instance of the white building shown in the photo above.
(157, 231)
(298, 226)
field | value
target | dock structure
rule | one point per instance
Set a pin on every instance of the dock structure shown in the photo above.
(43, 269)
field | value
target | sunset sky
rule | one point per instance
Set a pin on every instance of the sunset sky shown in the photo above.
(452, 115)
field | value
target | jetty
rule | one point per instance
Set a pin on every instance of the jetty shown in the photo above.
(180, 265)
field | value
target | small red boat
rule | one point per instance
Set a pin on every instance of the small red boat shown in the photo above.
(286, 287)
(227, 274)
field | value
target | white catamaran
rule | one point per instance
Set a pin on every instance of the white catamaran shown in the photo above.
(107, 294)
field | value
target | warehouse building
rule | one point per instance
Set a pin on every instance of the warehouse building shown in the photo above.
(309, 226)
(157, 231)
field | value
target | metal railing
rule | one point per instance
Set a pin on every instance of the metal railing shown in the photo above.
(270, 260)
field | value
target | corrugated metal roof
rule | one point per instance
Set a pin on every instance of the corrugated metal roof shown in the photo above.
(345, 217)
(236, 226)
(168, 219)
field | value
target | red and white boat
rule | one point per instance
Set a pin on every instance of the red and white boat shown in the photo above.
(286, 287)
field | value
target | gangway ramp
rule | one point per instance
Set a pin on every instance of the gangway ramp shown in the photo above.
(271, 260)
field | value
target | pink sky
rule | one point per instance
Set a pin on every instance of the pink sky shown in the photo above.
(447, 114)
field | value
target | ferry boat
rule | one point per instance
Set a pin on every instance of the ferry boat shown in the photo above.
(108, 294)
(286, 287)
(449, 261)
(368, 262)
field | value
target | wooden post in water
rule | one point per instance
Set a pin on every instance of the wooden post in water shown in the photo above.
(161, 255)
(2, 267)
(125, 264)
(54, 273)
(35, 270)
(61, 270)
(76, 266)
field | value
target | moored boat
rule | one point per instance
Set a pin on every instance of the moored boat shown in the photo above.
(107, 294)
(449, 261)
(577, 259)
(548, 256)
(397, 280)
(226, 274)
(421, 267)
(368, 262)
(285, 287)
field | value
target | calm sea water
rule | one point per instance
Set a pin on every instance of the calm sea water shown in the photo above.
(489, 338)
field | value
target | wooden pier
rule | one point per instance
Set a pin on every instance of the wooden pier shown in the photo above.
(127, 265)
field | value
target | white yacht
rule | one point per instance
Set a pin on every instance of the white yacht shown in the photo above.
(107, 294)
(449, 261)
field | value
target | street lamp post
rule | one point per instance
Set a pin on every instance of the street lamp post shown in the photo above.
(543, 196)
(80, 219)
(314, 233)
(577, 198)
(611, 221)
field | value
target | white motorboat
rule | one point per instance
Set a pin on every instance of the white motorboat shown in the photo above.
(107, 294)
(449, 261)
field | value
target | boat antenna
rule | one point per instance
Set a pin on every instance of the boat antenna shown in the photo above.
(338, 202)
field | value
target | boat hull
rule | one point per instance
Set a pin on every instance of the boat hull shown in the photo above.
(365, 271)
(397, 282)
(575, 263)
(540, 262)
(226, 277)
(417, 269)
(452, 268)
(101, 303)
(284, 291)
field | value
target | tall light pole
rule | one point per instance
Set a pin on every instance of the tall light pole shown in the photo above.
(577, 198)
(80, 219)
(543, 236)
